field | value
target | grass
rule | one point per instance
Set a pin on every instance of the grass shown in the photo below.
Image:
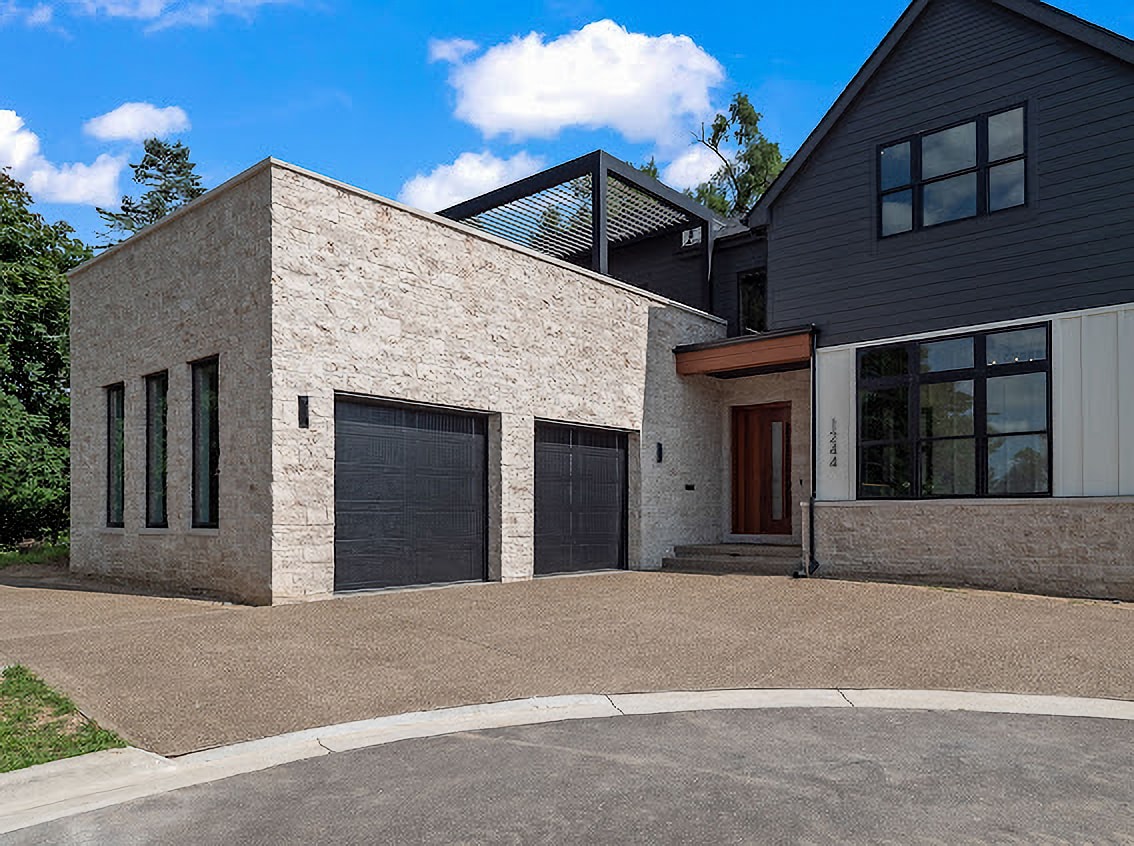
(47, 554)
(38, 725)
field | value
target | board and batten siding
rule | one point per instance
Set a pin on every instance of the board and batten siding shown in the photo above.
(1069, 248)
(1092, 397)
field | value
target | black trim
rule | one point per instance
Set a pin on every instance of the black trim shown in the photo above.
(157, 521)
(979, 374)
(917, 183)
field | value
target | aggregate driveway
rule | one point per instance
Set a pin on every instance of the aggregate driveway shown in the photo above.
(175, 675)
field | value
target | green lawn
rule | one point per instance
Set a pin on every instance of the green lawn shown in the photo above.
(48, 554)
(39, 725)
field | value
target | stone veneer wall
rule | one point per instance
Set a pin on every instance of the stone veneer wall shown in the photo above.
(372, 298)
(793, 386)
(1068, 547)
(192, 286)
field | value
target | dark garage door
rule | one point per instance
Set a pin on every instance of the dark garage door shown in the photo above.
(580, 499)
(410, 495)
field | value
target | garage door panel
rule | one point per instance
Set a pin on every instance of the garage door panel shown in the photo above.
(410, 495)
(580, 499)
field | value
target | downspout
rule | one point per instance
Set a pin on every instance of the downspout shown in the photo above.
(812, 563)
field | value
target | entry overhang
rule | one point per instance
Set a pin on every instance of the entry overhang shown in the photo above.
(750, 355)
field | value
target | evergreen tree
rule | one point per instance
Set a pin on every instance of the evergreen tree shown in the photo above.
(171, 178)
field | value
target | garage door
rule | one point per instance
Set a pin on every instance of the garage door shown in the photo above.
(580, 499)
(410, 495)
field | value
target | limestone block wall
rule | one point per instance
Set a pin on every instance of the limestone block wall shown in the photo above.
(1067, 546)
(371, 298)
(793, 386)
(192, 286)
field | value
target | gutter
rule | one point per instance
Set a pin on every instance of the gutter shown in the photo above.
(812, 562)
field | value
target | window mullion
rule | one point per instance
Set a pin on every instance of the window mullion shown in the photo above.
(980, 414)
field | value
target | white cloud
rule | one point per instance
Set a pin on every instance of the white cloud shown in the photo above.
(468, 176)
(648, 88)
(136, 122)
(94, 184)
(162, 14)
(38, 15)
(691, 168)
(450, 49)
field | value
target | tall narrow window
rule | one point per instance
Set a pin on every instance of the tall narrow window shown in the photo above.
(115, 454)
(157, 390)
(753, 290)
(206, 444)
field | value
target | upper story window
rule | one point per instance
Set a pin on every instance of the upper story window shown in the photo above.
(975, 168)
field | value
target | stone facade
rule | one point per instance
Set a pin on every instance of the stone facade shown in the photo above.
(193, 286)
(306, 287)
(375, 299)
(1066, 547)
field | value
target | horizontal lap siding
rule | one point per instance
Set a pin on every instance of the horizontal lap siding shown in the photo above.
(1069, 248)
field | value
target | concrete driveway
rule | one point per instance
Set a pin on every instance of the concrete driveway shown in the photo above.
(174, 676)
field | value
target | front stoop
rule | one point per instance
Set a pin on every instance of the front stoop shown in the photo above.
(756, 559)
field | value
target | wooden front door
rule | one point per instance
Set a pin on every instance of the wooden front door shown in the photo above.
(761, 469)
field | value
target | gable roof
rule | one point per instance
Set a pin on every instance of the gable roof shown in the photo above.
(1056, 19)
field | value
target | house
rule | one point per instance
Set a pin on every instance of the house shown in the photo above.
(914, 360)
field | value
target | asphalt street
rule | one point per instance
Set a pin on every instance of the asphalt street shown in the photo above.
(773, 776)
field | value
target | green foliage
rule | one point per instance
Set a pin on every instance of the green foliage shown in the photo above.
(38, 725)
(34, 407)
(172, 181)
(650, 168)
(749, 161)
(54, 553)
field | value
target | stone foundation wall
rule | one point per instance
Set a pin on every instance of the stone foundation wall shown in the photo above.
(1064, 547)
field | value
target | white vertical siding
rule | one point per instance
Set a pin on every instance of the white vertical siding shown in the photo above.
(1067, 406)
(1093, 397)
(836, 422)
(1126, 402)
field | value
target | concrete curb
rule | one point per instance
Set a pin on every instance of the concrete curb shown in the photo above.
(73, 786)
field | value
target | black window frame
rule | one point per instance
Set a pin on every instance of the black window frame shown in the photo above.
(979, 373)
(157, 476)
(116, 444)
(760, 275)
(917, 184)
(213, 456)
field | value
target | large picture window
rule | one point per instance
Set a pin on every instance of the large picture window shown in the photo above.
(157, 391)
(206, 444)
(115, 454)
(977, 167)
(954, 417)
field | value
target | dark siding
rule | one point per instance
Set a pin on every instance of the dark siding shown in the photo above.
(732, 257)
(1071, 247)
(661, 265)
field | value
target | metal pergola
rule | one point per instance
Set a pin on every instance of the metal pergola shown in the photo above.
(579, 210)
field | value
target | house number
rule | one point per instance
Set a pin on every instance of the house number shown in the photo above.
(834, 448)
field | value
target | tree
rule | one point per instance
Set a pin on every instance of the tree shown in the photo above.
(749, 161)
(34, 407)
(172, 181)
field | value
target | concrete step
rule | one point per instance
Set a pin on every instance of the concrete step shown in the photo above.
(755, 565)
(738, 550)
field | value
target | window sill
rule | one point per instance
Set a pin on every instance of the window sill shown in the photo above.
(205, 531)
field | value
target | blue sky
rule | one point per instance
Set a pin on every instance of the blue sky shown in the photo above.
(376, 94)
